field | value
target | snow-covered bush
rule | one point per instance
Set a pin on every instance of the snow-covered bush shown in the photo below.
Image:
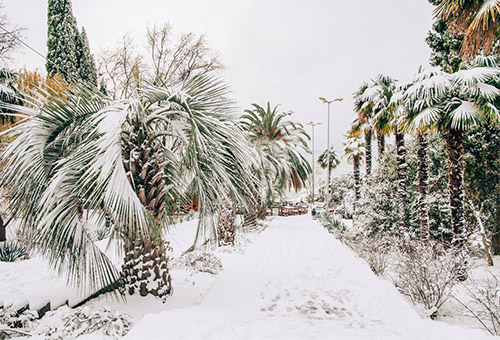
(66, 323)
(9, 316)
(342, 195)
(202, 262)
(12, 251)
(483, 301)
(376, 251)
(334, 225)
(425, 272)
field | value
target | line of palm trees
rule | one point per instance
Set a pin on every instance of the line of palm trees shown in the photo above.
(76, 154)
(448, 104)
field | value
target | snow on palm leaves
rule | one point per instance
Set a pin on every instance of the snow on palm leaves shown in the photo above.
(277, 142)
(127, 161)
(454, 103)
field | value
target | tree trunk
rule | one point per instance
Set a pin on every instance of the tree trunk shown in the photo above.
(145, 269)
(357, 180)
(495, 237)
(423, 183)
(3, 236)
(368, 147)
(454, 151)
(402, 177)
(250, 219)
(226, 230)
(482, 232)
(380, 144)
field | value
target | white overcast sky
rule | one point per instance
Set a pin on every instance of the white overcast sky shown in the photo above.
(288, 52)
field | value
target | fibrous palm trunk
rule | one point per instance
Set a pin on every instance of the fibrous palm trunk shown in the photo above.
(250, 216)
(402, 177)
(250, 219)
(146, 264)
(357, 180)
(145, 269)
(495, 237)
(368, 147)
(423, 183)
(454, 150)
(226, 229)
(3, 236)
(380, 144)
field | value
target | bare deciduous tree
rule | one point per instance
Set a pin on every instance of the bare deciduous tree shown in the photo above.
(10, 36)
(166, 60)
(189, 56)
(121, 67)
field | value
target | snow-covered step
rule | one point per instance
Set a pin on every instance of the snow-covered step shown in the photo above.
(41, 308)
(21, 305)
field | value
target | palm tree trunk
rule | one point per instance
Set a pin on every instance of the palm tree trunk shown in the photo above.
(226, 230)
(423, 183)
(402, 177)
(495, 237)
(357, 180)
(3, 236)
(250, 219)
(482, 232)
(368, 147)
(145, 269)
(380, 144)
(454, 150)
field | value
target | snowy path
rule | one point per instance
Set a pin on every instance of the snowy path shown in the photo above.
(297, 282)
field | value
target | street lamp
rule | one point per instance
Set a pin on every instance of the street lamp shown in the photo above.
(323, 100)
(313, 125)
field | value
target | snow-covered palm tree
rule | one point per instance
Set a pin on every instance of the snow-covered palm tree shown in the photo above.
(334, 159)
(454, 103)
(411, 109)
(363, 105)
(125, 161)
(280, 144)
(387, 117)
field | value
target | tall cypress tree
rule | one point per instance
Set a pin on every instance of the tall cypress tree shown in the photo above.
(61, 40)
(86, 66)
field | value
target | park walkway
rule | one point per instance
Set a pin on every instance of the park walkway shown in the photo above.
(296, 281)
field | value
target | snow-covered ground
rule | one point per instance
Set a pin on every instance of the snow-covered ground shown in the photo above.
(291, 281)
(297, 282)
